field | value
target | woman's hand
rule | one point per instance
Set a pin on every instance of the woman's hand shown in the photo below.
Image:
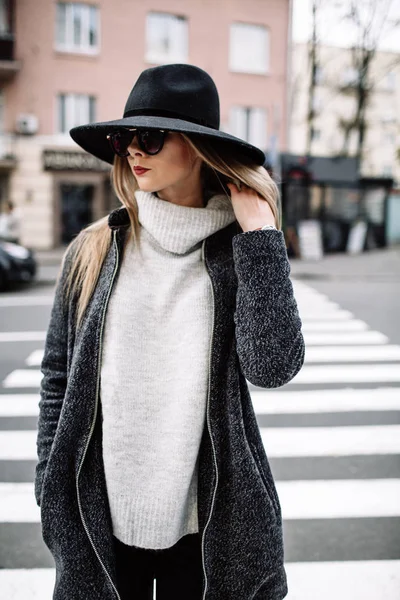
(250, 209)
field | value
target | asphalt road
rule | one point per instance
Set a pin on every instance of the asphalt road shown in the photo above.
(375, 301)
(332, 436)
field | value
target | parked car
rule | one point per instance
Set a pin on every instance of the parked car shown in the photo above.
(17, 264)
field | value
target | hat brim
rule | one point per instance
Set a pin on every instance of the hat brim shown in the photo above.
(92, 137)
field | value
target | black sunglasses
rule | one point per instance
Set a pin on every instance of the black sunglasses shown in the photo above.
(151, 141)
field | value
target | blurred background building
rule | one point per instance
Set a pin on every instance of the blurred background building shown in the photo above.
(351, 155)
(343, 165)
(334, 106)
(63, 64)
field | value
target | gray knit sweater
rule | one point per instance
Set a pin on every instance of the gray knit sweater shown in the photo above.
(154, 375)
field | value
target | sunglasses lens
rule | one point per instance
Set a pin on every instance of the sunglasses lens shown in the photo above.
(152, 140)
(120, 142)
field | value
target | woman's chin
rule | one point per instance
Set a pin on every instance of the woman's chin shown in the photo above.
(145, 187)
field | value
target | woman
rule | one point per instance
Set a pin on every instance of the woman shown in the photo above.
(151, 464)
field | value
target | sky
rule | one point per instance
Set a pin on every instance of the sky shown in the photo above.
(336, 31)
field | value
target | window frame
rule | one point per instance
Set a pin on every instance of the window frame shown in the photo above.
(390, 82)
(266, 70)
(316, 134)
(71, 101)
(349, 76)
(68, 46)
(151, 56)
(249, 112)
(6, 29)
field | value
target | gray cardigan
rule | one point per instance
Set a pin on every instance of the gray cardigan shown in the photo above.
(256, 336)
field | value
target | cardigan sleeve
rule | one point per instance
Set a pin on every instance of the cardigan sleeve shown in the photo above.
(54, 381)
(269, 341)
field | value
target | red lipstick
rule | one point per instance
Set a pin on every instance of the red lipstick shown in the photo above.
(140, 170)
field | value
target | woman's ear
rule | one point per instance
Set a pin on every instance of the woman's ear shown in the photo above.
(224, 180)
(235, 182)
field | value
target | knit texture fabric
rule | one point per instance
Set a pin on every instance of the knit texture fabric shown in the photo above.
(257, 336)
(154, 373)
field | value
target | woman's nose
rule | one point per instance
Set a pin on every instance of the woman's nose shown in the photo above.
(133, 148)
(135, 151)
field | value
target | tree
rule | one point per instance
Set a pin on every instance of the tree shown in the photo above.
(370, 20)
(313, 61)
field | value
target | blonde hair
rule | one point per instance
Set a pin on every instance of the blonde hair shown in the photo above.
(220, 164)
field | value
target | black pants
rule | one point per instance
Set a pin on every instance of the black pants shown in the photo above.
(178, 570)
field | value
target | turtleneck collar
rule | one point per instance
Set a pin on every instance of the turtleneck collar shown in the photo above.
(178, 228)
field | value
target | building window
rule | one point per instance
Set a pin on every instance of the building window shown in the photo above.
(315, 134)
(166, 38)
(350, 76)
(319, 75)
(389, 139)
(249, 48)
(75, 110)
(387, 171)
(390, 81)
(77, 28)
(389, 116)
(316, 101)
(5, 17)
(249, 124)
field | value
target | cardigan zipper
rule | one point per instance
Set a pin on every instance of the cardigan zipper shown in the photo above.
(208, 426)
(95, 414)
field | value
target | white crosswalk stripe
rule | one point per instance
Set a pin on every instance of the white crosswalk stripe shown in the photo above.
(19, 405)
(320, 401)
(341, 351)
(310, 315)
(299, 499)
(347, 374)
(18, 503)
(21, 584)
(35, 358)
(352, 580)
(18, 445)
(329, 354)
(21, 378)
(30, 378)
(22, 336)
(331, 441)
(279, 442)
(365, 580)
(350, 325)
(24, 301)
(360, 337)
(339, 499)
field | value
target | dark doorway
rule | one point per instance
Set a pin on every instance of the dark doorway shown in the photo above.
(76, 209)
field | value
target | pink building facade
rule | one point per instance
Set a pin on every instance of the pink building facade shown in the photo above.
(66, 63)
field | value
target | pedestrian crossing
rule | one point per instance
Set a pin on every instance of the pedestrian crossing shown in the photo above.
(332, 436)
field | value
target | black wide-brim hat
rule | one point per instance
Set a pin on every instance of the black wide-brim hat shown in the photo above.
(174, 97)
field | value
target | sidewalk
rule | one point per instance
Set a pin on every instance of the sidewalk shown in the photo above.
(380, 264)
(49, 262)
(377, 264)
(50, 257)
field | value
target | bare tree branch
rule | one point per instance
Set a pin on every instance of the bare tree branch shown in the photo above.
(370, 23)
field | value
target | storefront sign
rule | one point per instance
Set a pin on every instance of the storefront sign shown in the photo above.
(66, 160)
